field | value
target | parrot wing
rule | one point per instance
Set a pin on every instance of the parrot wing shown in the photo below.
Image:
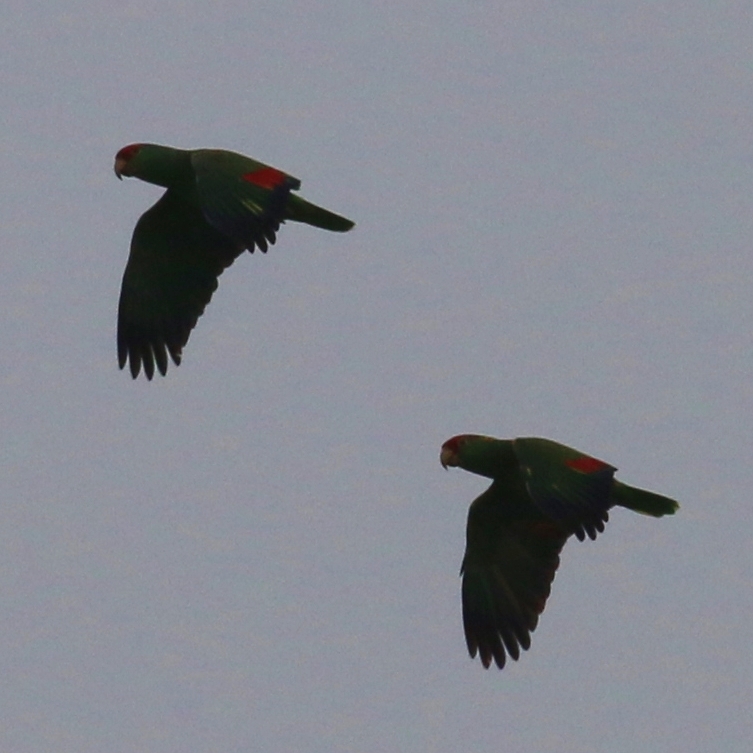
(244, 199)
(508, 569)
(176, 257)
(571, 488)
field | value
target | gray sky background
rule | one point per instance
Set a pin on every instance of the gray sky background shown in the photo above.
(261, 551)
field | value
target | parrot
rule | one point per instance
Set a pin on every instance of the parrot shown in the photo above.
(542, 492)
(217, 204)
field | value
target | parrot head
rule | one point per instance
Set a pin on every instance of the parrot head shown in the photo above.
(449, 454)
(458, 449)
(126, 160)
(475, 453)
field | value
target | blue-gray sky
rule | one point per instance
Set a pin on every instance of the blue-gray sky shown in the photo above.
(260, 551)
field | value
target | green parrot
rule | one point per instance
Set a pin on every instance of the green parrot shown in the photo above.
(217, 205)
(542, 492)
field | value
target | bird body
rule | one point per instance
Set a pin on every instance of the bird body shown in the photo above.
(217, 204)
(542, 492)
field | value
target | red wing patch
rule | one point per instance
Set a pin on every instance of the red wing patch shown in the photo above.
(587, 464)
(266, 177)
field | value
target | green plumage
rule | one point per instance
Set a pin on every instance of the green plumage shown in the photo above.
(217, 204)
(542, 492)
(642, 501)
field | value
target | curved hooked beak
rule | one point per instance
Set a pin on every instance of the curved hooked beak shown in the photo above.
(119, 165)
(447, 458)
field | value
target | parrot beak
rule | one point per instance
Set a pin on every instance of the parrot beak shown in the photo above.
(119, 165)
(447, 458)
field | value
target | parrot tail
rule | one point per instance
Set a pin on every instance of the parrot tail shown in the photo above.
(300, 210)
(643, 501)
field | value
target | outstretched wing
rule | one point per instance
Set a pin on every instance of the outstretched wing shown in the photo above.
(175, 260)
(572, 488)
(244, 199)
(508, 569)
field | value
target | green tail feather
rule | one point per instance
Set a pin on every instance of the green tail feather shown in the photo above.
(643, 501)
(300, 210)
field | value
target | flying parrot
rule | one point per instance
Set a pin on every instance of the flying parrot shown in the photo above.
(217, 205)
(542, 492)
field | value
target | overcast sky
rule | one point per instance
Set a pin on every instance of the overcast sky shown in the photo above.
(261, 551)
